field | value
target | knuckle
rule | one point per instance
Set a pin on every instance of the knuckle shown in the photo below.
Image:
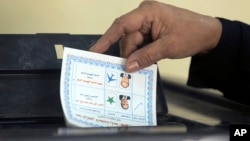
(119, 24)
(149, 3)
(117, 21)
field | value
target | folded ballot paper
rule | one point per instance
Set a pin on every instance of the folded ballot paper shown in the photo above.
(96, 91)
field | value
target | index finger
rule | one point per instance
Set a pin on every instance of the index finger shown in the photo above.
(125, 24)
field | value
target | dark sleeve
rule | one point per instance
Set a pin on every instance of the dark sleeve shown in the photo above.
(227, 67)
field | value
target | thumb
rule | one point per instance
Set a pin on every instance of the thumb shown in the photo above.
(144, 57)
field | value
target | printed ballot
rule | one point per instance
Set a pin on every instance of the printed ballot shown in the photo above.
(96, 91)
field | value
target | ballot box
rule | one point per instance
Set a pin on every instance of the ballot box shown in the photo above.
(30, 69)
(30, 106)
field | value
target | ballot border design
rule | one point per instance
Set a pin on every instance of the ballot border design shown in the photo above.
(101, 63)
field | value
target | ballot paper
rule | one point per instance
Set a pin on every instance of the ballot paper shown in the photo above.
(96, 91)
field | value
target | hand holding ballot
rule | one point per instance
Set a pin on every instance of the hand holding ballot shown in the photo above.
(173, 33)
(97, 92)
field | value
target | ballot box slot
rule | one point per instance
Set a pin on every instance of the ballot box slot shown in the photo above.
(32, 122)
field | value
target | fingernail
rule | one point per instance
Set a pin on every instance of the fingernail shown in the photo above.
(133, 66)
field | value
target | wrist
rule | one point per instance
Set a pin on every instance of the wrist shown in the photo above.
(214, 34)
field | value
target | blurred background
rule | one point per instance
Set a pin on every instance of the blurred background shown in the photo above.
(95, 16)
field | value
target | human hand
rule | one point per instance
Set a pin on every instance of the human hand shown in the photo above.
(174, 33)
